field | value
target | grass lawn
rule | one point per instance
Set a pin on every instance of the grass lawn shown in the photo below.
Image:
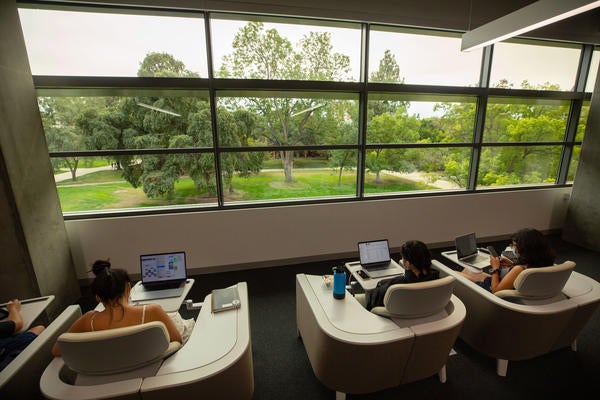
(106, 190)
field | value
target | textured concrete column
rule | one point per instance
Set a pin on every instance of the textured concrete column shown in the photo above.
(582, 224)
(36, 257)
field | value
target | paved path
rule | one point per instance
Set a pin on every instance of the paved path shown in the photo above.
(80, 171)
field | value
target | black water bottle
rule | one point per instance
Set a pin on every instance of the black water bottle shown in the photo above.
(339, 282)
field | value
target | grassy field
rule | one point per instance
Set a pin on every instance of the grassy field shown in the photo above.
(106, 190)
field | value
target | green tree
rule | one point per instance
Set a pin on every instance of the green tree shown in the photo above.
(260, 53)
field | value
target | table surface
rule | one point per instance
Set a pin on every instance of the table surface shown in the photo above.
(170, 304)
(369, 283)
(31, 309)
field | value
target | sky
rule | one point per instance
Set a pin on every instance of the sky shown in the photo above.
(99, 44)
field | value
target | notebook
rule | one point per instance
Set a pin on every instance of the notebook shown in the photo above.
(376, 260)
(468, 253)
(163, 275)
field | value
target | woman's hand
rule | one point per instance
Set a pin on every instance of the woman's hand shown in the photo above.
(495, 262)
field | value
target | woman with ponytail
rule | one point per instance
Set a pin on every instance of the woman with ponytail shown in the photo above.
(111, 287)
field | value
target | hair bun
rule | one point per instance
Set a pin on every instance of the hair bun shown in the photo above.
(100, 266)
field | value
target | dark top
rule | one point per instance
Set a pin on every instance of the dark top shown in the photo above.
(374, 297)
(7, 328)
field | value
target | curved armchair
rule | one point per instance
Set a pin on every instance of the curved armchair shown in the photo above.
(139, 362)
(341, 337)
(543, 319)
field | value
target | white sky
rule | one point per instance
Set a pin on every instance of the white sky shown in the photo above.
(98, 44)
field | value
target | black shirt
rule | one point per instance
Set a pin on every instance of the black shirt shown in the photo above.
(374, 297)
(7, 328)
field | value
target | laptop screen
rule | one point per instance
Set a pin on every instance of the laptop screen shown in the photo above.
(163, 267)
(466, 245)
(374, 253)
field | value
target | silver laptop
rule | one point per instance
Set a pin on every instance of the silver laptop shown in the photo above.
(375, 259)
(163, 275)
(468, 253)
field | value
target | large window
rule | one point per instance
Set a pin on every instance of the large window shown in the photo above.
(155, 111)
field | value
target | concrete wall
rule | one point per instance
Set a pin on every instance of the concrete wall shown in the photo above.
(250, 238)
(582, 224)
(36, 257)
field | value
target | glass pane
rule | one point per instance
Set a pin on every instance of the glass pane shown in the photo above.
(594, 67)
(420, 119)
(518, 165)
(271, 48)
(519, 65)
(111, 123)
(421, 57)
(301, 119)
(265, 176)
(130, 182)
(574, 164)
(510, 119)
(416, 169)
(77, 43)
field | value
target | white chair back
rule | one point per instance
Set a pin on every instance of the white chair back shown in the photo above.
(544, 282)
(416, 300)
(114, 351)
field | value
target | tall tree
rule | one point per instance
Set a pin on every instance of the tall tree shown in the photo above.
(260, 53)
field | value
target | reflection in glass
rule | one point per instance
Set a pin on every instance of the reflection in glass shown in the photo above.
(77, 43)
(421, 57)
(276, 48)
(521, 65)
(518, 165)
(415, 169)
(116, 123)
(129, 182)
(511, 119)
(316, 174)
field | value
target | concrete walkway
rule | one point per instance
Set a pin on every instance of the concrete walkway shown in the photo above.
(80, 172)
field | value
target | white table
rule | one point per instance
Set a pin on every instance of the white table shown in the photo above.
(170, 304)
(369, 283)
(31, 309)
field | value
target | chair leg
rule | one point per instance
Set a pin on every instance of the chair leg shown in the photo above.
(574, 345)
(501, 367)
(442, 374)
(340, 396)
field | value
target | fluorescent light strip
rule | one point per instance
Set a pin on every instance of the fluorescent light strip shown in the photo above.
(158, 109)
(533, 16)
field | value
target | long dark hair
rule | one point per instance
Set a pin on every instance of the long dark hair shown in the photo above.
(109, 284)
(533, 248)
(417, 253)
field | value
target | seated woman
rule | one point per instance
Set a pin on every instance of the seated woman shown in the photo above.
(533, 251)
(417, 261)
(112, 287)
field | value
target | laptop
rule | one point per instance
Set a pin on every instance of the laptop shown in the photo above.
(375, 259)
(468, 253)
(163, 276)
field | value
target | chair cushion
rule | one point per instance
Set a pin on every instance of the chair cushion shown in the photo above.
(117, 350)
(416, 300)
(543, 282)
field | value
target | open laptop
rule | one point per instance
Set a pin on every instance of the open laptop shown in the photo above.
(163, 275)
(375, 259)
(468, 253)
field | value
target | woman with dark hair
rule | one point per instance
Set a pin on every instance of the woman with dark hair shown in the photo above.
(111, 287)
(417, 261)
(533, 251)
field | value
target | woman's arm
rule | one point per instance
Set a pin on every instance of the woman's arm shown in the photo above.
(78, 326)
(508, 281)
(156, 313)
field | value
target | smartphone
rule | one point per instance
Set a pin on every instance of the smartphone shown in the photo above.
(492, 251)
(363, 274)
